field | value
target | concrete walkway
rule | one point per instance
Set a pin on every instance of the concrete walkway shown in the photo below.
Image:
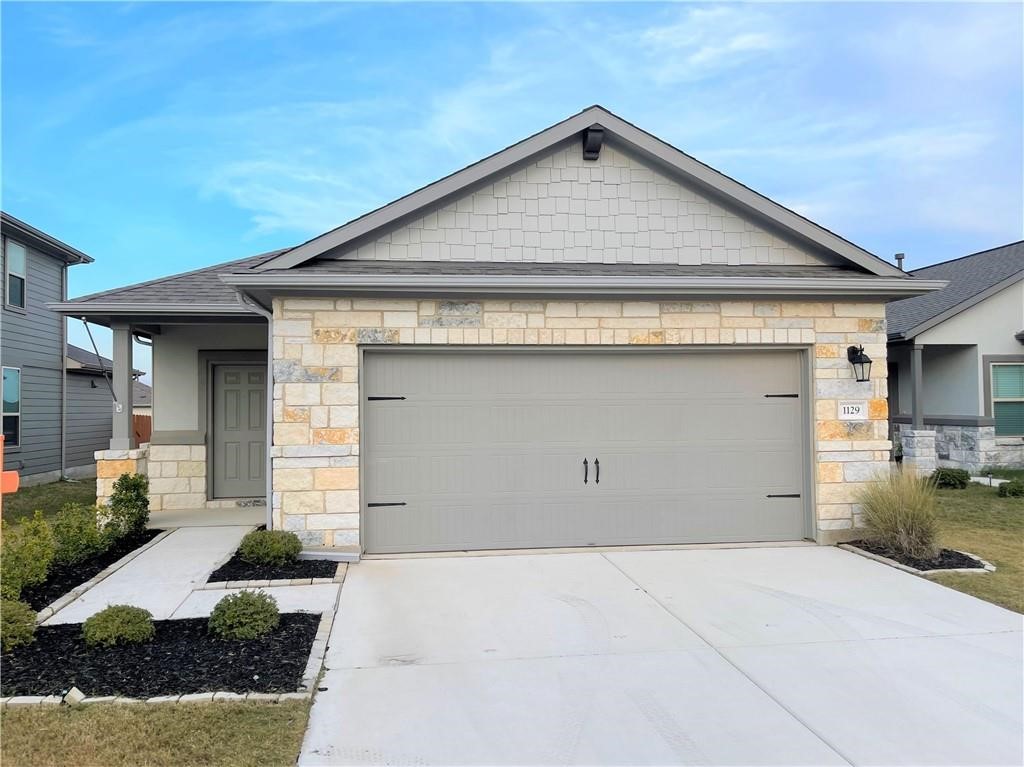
(163, 579)
(730, 656)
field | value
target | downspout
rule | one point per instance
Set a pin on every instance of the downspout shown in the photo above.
(63, 376)
(256, 307)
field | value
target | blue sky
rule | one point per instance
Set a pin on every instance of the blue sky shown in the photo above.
(161, 137)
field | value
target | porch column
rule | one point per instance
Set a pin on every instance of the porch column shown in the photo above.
(916, 398)
(123, 435)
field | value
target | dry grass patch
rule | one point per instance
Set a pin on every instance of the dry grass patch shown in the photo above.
(978, 521)
(140, 735)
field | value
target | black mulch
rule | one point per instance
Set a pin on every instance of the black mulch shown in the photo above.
(183, 658)
(62, 578)
(237, 570)
(947, 559)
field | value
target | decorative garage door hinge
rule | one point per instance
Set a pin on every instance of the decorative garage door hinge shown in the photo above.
(783, 495)
(783, 395)
(375, 399)
(377, 505)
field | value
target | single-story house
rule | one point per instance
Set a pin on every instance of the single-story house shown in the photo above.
(956, 359)
(587, 338)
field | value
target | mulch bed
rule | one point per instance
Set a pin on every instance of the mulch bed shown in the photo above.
(948, 559)
(62, 578)
(237, 570)
(183, 658)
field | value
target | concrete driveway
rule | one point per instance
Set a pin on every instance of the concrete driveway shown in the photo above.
(788, 655)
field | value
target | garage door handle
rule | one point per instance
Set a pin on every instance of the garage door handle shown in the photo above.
(597, 470)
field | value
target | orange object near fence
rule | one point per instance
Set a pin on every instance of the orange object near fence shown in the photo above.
(9, 480)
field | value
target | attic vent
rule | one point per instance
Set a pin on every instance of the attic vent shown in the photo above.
(593, 137)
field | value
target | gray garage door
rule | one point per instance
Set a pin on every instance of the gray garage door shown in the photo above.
(473, 450)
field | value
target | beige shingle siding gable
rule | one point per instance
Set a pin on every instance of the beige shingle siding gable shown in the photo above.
(563, 208)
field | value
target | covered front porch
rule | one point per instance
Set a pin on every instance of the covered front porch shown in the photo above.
(207, 457)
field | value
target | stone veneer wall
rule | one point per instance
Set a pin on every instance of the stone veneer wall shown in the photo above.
(177, 476)
(111, 464)
(316, 393)
(971, 447)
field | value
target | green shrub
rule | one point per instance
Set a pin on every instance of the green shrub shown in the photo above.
(1012, 489)
(26, 555)
(956, 479)
(127, 512)
(77, 534)
(118, 624)
(245, 615)
(899, 513)
(269, 547)
(17, 624)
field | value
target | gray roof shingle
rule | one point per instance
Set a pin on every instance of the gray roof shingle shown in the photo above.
(202, 286)
(969, 277)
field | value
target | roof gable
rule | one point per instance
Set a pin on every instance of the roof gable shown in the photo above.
(564, 208)
(644, 147)
(971, 280)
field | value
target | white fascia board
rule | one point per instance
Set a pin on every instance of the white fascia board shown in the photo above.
(867, 287)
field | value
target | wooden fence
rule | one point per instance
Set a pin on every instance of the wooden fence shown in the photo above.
(143, 426)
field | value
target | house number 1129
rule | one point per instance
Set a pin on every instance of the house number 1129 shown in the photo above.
(853, 411)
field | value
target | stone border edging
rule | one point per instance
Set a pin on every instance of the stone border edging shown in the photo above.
(317, 652)
(339, 577)
(986, 567)
(200, 697)
(63, 601)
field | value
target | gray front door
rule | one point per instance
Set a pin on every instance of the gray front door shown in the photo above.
(485, 450)
(239, 431)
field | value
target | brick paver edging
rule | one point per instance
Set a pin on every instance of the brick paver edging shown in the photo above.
(309, 679)
(62, 602)
(339, 577)
(985, 566)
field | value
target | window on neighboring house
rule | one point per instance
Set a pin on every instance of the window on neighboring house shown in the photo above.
(15, 259)
(12, 407)
(1008, 399)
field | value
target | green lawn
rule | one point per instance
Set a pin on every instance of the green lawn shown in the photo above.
(978, 521)
(1001, 473)
(48, 498)
(106, 735)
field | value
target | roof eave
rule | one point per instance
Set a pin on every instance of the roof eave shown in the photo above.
(645, 144)
(867, 288)
(73, 308)
(938, 319)
(40, 240)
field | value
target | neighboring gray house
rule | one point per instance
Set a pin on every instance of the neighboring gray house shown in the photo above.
(956, 359)
(89, 403)
(32, 343)
(587, 338)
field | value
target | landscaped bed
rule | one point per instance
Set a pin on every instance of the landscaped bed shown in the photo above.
(62, 578)
(182, 658)
(271, 555)
(947, 559)
(237, 569)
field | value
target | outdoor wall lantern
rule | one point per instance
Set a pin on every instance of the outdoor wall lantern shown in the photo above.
(861, 363)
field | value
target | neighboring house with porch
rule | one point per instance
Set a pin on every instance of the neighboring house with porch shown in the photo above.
(40, 408)
(956, 360)
(588, 338)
